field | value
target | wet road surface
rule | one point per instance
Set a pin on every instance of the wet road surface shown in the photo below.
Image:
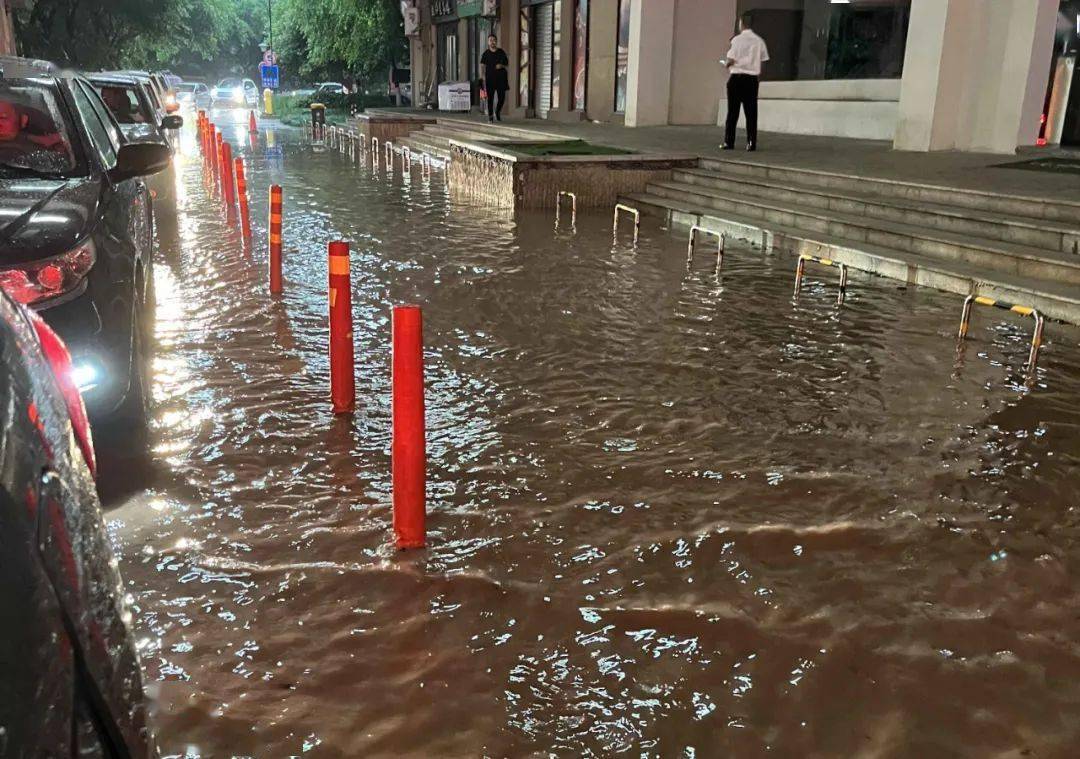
(670, 515)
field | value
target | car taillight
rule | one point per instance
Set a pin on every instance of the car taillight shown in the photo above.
(36, 281)
(60, 361)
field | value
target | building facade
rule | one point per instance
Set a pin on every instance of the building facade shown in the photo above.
(973, 75)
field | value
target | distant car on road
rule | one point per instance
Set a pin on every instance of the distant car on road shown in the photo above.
(194, 95)
(76, 231)
(72, 685)
(236, 93)
(330, 88)
(130, 104)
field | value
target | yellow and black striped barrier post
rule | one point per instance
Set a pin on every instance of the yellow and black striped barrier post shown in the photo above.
(1036, 339)
(721, 244)
(615, 223)
(800, 271)
(573, 207)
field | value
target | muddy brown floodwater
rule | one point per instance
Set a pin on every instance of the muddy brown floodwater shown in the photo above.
(670, 515)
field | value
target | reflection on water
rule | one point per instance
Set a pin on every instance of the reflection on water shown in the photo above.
(671, 514)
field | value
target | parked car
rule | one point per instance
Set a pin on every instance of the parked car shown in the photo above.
(330, 88)
(235, 93)
(71, 682)
(129, 102)
(76, 230)
(194, 95)
(153, 85)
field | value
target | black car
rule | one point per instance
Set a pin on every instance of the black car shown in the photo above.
(71, 683)
(76, 230)
(129, 102)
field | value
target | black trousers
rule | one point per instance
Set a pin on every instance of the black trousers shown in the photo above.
(742, 92)
(495, 109)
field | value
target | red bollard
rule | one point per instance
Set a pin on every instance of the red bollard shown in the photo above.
(408, 448)
(211, 140)
(228, 185)
(275, 239)
(242, 198)
(342, 379)
(253, 126)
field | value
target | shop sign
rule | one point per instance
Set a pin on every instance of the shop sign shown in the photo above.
(466, 8)
(443, 10)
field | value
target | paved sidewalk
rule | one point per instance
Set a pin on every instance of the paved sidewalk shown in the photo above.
(976, 171)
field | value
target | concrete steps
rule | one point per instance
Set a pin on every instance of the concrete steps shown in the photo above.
(931, 241)
(1054, 299)
(1020, 207)
(1021, 230)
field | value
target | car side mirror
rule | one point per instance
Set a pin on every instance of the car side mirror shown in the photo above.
(172, 122)
(140, 159)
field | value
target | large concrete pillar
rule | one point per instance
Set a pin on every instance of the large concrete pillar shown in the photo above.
(975, 74)
(603, 38)
(702, 31)
(652, 43)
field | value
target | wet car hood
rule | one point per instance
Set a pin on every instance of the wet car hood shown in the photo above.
(45, 217)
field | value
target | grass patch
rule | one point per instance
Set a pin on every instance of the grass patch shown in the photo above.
(567, 147)
(295, 110)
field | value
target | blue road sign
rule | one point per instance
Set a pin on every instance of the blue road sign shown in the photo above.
(269, 76)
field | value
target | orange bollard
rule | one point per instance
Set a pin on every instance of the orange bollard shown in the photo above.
(275, 239)
(342, 380)
(242, 198)
(219, 167)
(228, 182)
(408, 454)
(211, 139)
(253, 126)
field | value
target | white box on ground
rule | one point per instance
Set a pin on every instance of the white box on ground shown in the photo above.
(455, 96)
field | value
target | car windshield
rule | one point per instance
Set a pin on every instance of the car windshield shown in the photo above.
(33, 132)
(124, 103)
(228, 84)
(186, 87)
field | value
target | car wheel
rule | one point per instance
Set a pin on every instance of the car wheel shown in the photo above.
(127, 429)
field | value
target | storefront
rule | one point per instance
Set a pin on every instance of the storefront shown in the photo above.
(926, 74)
(1062, 123)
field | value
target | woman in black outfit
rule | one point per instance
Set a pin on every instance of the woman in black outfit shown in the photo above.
(496, 82)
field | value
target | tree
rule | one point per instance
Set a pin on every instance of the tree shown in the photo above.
(354, 39)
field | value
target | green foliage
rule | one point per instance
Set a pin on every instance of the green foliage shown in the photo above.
(354, 41)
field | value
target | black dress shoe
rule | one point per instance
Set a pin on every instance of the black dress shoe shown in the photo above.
(750, 147)
(727, 147)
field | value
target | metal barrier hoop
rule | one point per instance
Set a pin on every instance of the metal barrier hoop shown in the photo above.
(389, 152)
(721, 244)
(573, 207)
(1036, 338)
(637, 220)
(406, 159)
(801, 269)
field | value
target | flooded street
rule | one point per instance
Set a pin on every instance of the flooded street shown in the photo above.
(669, 514)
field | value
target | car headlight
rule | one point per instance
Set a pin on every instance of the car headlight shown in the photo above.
(238, 95)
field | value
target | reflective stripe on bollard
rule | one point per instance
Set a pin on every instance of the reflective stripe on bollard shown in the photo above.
(228, 187)
(275, 239)
(408, 447)
(342, 381)
(242, 198)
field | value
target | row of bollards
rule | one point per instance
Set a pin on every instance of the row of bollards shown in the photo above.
(355, 144)
(800, 271)
(226, 174)
(408, 449)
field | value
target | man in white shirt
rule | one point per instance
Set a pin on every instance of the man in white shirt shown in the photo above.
(744, 59)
